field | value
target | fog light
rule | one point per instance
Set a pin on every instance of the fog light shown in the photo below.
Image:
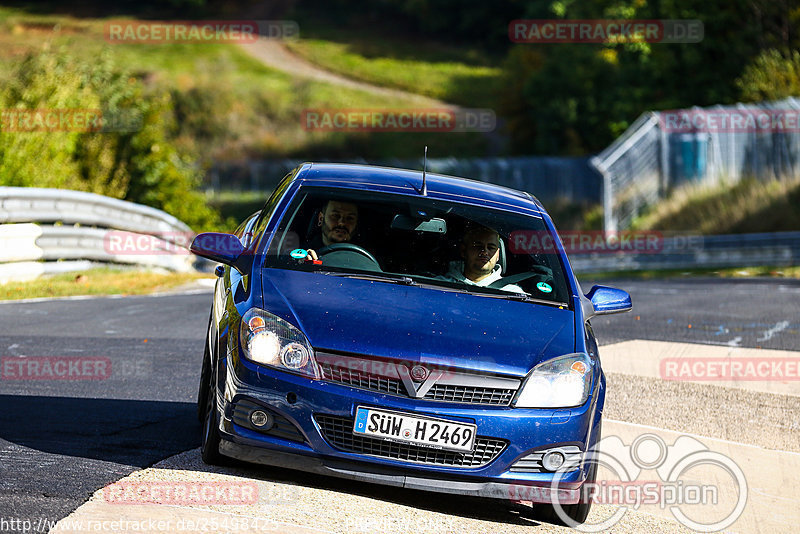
(261, 419)
(553, 460)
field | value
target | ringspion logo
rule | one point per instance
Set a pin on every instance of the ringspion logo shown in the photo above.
(649, 472)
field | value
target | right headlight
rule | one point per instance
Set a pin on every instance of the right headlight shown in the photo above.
(269, 340)
(558, 383)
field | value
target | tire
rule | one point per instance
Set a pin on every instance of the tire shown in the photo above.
(209, 448)
(207, 407)
(202, 392)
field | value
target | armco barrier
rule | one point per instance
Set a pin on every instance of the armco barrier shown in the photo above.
(71, 232)
(28, 204)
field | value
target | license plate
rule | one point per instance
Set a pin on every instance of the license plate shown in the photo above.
(415, 429)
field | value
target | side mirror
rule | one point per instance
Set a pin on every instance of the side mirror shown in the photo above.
(606, 300)
(224, 248)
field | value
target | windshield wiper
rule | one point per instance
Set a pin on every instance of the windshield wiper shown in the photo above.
(394, 279)
(522, 297)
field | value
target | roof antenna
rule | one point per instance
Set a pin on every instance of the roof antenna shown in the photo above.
(424, 167)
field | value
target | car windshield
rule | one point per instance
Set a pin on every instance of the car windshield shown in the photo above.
(419, 241)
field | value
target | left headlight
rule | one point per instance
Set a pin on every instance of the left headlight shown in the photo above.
(558, 383)
(269, 340)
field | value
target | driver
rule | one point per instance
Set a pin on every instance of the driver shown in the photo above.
(337, 223)
(480, 250)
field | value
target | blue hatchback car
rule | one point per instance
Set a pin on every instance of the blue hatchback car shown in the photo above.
(419, 331)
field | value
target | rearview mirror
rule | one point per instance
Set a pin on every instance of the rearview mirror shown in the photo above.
(606, 300)
(405, 222)
(224, 248)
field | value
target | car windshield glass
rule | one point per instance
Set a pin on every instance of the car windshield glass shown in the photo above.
(419, 241)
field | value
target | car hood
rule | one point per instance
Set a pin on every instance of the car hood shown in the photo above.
(418, 324)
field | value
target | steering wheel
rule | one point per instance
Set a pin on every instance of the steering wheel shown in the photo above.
(347, 247)
(513, 279)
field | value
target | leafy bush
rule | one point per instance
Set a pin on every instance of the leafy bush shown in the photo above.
(139, 163)
(771, 76)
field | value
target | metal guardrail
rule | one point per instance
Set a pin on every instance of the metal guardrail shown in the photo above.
(686, 252)
(28, 204)
(74, 229)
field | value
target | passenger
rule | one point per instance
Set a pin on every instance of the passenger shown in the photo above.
(479, 249)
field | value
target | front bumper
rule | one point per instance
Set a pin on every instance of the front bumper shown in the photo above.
(299, 399)
(257, 454)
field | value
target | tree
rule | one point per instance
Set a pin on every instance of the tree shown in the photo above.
(132, 157)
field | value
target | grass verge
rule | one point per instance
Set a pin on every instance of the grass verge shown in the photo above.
(453, 75)
(102, 281)
(750, 206)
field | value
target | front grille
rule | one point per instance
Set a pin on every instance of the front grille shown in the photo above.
(338, 431)
(357, 379)
(443, 392)
(470, 394)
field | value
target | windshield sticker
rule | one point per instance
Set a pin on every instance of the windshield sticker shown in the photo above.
(544, 287)
(298, 253)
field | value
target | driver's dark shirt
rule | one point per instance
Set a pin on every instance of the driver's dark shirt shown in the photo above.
(315, 242)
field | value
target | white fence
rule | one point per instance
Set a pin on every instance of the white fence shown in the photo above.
(655, 155)
(45, 231)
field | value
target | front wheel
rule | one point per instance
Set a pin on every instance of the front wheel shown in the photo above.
(207, 405)
(210, 446)
(202, 392)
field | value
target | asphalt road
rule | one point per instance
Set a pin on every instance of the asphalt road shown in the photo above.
(740, 313)
(60, 440)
